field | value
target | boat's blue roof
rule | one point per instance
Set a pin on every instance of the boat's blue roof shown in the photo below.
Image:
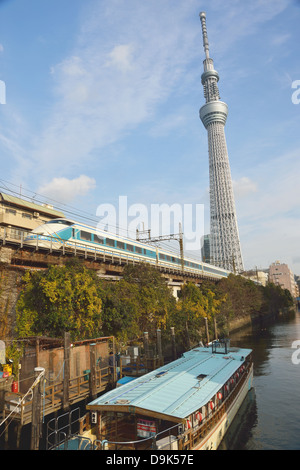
(175, 390)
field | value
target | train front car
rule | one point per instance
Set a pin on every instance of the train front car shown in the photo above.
(51, 234)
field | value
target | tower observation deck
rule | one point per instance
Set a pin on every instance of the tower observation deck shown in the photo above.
(224, 237)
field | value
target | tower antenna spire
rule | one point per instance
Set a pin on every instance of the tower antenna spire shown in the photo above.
(224, 236)
(204, 33)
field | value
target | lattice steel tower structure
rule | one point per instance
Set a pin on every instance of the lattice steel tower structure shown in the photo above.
(224, 236)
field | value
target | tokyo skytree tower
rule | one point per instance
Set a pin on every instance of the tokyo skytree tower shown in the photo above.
(225, 250)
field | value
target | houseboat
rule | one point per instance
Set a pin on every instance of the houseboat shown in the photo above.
(187, 404)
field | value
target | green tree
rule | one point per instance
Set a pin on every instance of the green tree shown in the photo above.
(192, 307)
(64, 298)
(140, 302)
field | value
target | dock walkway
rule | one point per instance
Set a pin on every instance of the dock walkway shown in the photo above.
(19, 406)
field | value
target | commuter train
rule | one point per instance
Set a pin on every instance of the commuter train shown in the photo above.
(58, 233)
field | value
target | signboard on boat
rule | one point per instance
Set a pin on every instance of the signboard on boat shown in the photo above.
(146, 428)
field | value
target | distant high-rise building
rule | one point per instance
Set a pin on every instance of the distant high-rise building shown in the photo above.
(205, 250)
(281, 275)
(225, 249)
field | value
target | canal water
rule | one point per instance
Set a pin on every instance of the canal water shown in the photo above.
(269, 419)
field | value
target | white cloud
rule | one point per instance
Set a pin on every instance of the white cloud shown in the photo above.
(114, 80)
(121, 57)
(66, 190)
(269, 221)
(243, 187)
(127, 59)
(169, 124)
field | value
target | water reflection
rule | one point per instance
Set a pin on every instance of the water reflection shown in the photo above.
(270, 415)
(240, 431)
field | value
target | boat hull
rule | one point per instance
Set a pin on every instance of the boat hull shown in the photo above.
(217, 433)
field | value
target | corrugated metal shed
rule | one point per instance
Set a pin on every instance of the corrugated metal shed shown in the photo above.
(177, 389)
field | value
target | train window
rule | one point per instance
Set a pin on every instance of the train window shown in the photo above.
(161, 256)
(121, 245)
(58, 221)
(98, 239)
(85, 236)
(110, 242)
(129, 247)
(138, 249)
(144, 251)
(168, 258)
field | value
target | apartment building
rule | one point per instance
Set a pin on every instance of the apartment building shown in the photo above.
(280, 274)
(17, 214)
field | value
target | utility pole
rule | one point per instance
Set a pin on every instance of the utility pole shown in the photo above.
(160, 238)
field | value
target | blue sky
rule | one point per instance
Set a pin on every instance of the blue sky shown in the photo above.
(103, 98)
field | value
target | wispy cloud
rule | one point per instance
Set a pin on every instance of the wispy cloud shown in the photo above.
(243, 187)
(111, 84)
(66, 190)
(126, 60)
(270, 216)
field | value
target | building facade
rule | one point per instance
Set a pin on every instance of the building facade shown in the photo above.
(281, 275)
(18, 215)
(205, 250)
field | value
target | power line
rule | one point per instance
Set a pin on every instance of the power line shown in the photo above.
(82, 215)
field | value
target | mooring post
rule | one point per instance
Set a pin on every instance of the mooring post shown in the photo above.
(93, 389)
(36, 425)
(187, 336)
(216, 328)
(174, 354)
(206, 329)
(159, 348)
(146, 348)
(66, 384)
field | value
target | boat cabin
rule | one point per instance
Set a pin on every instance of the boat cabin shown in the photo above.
(175, 406)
